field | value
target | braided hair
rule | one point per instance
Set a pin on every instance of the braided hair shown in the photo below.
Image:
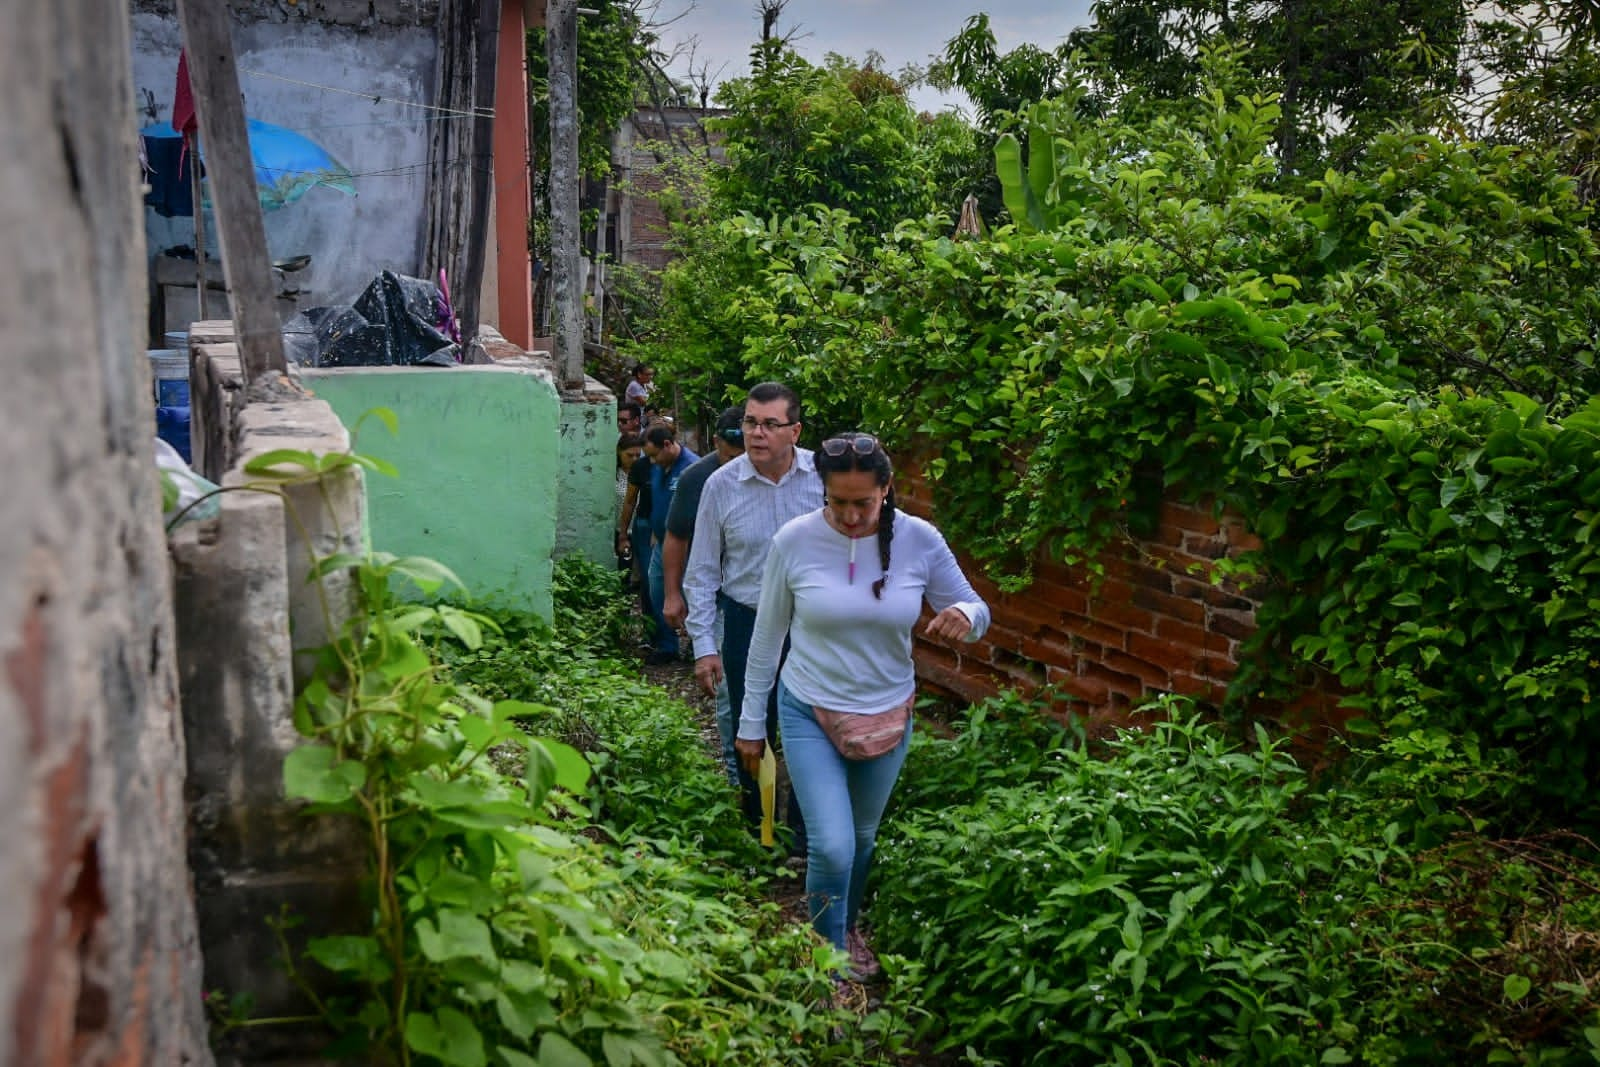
(885, 535)
(875, 462)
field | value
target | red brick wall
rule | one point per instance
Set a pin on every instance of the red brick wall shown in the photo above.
(1154, 623)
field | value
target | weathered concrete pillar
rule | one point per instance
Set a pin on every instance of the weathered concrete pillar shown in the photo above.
(247, 620)
(566, 292)
(98, 956)
(324, 517)
(253, 852)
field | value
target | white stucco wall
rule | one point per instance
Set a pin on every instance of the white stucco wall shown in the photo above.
(305, 75)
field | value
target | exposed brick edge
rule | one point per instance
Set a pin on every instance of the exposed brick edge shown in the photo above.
(1158, 621)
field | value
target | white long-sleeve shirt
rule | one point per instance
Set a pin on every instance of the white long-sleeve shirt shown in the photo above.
(740, 511)
(848, 651)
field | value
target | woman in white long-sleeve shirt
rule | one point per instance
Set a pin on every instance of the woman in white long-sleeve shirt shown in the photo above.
(846, 585)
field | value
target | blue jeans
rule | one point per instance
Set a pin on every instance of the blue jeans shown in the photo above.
(843, 801)
(639, 542)
(665, 638)
(727, 730)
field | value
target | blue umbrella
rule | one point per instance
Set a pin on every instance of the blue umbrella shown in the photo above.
(287, 165)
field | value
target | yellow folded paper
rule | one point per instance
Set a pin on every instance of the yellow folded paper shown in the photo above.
(768, 780)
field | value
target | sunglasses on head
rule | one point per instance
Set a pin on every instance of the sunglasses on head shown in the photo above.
(862, 444)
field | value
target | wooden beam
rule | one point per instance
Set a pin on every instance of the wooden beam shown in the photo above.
(245, 262)
(512, 190)
(485, 105)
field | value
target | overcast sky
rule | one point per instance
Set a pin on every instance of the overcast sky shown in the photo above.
(903, 31)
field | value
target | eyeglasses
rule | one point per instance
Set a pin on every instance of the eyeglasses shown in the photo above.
(862, 444)
(769, 425)
(733, 435)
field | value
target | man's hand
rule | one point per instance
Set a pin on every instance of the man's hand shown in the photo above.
(750, 753)
(950, 623)
(708, 672)
(675, 611)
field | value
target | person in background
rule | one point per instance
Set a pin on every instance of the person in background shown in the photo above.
(741, 506)
(630, 419)
(641, 385)
(633, 528)
(845, 584)
(630, 446)
(728, 443)
(670, 460)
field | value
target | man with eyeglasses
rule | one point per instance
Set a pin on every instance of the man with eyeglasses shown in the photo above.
(742, 505)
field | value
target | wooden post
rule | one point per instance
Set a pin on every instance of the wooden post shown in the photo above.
(197, 198)
(234, 202)
(512, 189)
(485, 49)
(561, 47)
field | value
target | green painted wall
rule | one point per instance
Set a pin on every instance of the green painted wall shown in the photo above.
(478, 453)
(588, 494)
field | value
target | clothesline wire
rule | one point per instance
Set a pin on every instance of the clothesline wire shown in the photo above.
(487, 112)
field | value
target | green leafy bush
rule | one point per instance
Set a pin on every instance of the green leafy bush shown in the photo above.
(1174, 897)
(1144, 907)
(1390, 375)
(509, 928)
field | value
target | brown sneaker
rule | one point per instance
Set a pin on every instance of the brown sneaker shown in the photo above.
(863, 961)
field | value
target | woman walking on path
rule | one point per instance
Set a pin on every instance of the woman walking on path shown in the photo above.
(846, 584)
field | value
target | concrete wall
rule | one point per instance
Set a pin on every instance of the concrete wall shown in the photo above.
(244, 607)
(355, 78)
(479, 455)
(99, 962)
(587, 512)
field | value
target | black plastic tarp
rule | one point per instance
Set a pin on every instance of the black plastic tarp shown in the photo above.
(395, 323)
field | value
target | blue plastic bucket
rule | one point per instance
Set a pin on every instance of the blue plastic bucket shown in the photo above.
(170, 369)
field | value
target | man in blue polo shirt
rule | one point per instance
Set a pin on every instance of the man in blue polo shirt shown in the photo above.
(670, 459)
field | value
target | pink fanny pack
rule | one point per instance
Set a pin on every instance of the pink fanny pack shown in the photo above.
(865, 737)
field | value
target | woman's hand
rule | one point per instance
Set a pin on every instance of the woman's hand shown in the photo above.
(951, 623)
(750, 753)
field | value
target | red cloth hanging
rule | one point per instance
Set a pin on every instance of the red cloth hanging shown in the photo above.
(183, 112)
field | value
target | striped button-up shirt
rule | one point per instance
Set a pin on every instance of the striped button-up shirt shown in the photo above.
(739, 512)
